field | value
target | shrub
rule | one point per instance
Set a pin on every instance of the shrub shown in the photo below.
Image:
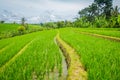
(26, 26)
(21, 29)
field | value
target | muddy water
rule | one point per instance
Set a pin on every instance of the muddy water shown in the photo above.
(64, 68)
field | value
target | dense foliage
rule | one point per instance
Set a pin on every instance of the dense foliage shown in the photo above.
(59, 24)
(100, 14)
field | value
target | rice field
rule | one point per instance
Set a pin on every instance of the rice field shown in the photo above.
(100, 57)
(29, 57)
(36, 56)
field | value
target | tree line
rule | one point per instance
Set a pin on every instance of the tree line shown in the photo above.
(100, 14)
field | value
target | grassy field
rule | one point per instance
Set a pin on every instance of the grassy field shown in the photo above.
(100, 57)
(30, 56)
(36, 56)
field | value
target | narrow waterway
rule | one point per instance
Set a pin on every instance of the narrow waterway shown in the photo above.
(55, 74)
(64, 67)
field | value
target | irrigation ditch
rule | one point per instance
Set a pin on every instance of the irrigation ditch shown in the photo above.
(74, 67)
(64, 64)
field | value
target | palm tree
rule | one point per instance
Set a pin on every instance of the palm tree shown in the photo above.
(115, 11)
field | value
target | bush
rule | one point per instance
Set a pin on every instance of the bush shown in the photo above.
(21, 29)
(26, 26)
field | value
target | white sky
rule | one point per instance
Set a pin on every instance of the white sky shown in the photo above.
(28, 8)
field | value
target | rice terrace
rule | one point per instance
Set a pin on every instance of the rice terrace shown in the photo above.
(60, 40)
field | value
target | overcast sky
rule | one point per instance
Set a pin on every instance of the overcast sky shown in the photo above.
(27, 8)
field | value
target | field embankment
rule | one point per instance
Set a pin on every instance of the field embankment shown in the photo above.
(112, 32)
(75, 69)
(102, 36)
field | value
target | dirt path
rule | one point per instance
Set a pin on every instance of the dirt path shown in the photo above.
(75, 68)
(102, 36)
(14, 57)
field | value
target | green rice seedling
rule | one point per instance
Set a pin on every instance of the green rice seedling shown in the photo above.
(16, 44)
(40, 60)
(100, 57)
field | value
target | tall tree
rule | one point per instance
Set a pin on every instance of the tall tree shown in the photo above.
(105, 7)
(23, 21)
(89, 12)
